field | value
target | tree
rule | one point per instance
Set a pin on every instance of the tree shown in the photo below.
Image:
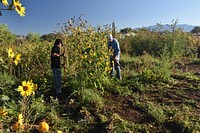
(33, 37)
(196, 29)
(125, 30)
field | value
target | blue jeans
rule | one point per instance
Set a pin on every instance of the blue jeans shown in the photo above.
(115, 67)
(57, 80)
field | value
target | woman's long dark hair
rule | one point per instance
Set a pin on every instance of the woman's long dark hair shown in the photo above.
(57, 42)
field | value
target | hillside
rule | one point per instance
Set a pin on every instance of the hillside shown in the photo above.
(185, 27)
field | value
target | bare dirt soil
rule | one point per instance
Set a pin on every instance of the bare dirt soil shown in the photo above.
(175, 95)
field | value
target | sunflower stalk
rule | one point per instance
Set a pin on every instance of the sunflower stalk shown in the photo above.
(25, 102)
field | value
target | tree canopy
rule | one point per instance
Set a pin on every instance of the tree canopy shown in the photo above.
(196, 29)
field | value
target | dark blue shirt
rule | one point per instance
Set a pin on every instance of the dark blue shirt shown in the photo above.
(55, 61)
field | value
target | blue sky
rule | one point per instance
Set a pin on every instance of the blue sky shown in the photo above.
(42, 15)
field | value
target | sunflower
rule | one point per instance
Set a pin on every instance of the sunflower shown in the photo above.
(17, 59)
(10, 53)
(19, 123)
(107, 63)
(35, 87)
(88, 45)
(20, 119)
(5, 2)
(18, 7)
(26, 89)
(98, 63)
(84, 56)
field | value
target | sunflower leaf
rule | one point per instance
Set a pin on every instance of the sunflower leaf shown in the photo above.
(4, 98)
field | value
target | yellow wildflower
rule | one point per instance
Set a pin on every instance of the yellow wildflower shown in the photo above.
(59, 131)
(16, 62)
(107, 63)
(5, 2)
(18, 7)
(35, 87)
(26, 89)
(84, 56)
(17, 59)
(10, 53)
(20, 119)
(88, 45)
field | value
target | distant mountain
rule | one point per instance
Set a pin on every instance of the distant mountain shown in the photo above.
(185, 27)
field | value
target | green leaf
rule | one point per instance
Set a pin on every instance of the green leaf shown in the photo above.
(4, 98)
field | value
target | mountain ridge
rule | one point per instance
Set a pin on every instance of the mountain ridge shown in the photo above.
(185, 27)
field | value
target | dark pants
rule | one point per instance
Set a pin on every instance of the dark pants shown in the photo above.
(57, 80)
(115, 66)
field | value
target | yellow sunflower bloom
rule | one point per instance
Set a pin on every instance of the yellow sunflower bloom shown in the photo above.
(35, 87)
(20, 119)
(18, 7)
(17, 59)
(10, 53)
(107, 63)
(58, 131)
(26, 89)
(84, 56)
(5, 2)
(88, 45)
(16, 62)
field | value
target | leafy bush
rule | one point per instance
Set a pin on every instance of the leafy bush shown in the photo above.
(6, 37)
(156, 43)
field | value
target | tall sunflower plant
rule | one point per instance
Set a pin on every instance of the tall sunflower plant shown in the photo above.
(27, 90)
(13, 60)
(87, 53)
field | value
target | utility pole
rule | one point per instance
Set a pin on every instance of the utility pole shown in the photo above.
(113, 29)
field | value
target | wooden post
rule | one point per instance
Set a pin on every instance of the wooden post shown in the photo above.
(113, 29)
